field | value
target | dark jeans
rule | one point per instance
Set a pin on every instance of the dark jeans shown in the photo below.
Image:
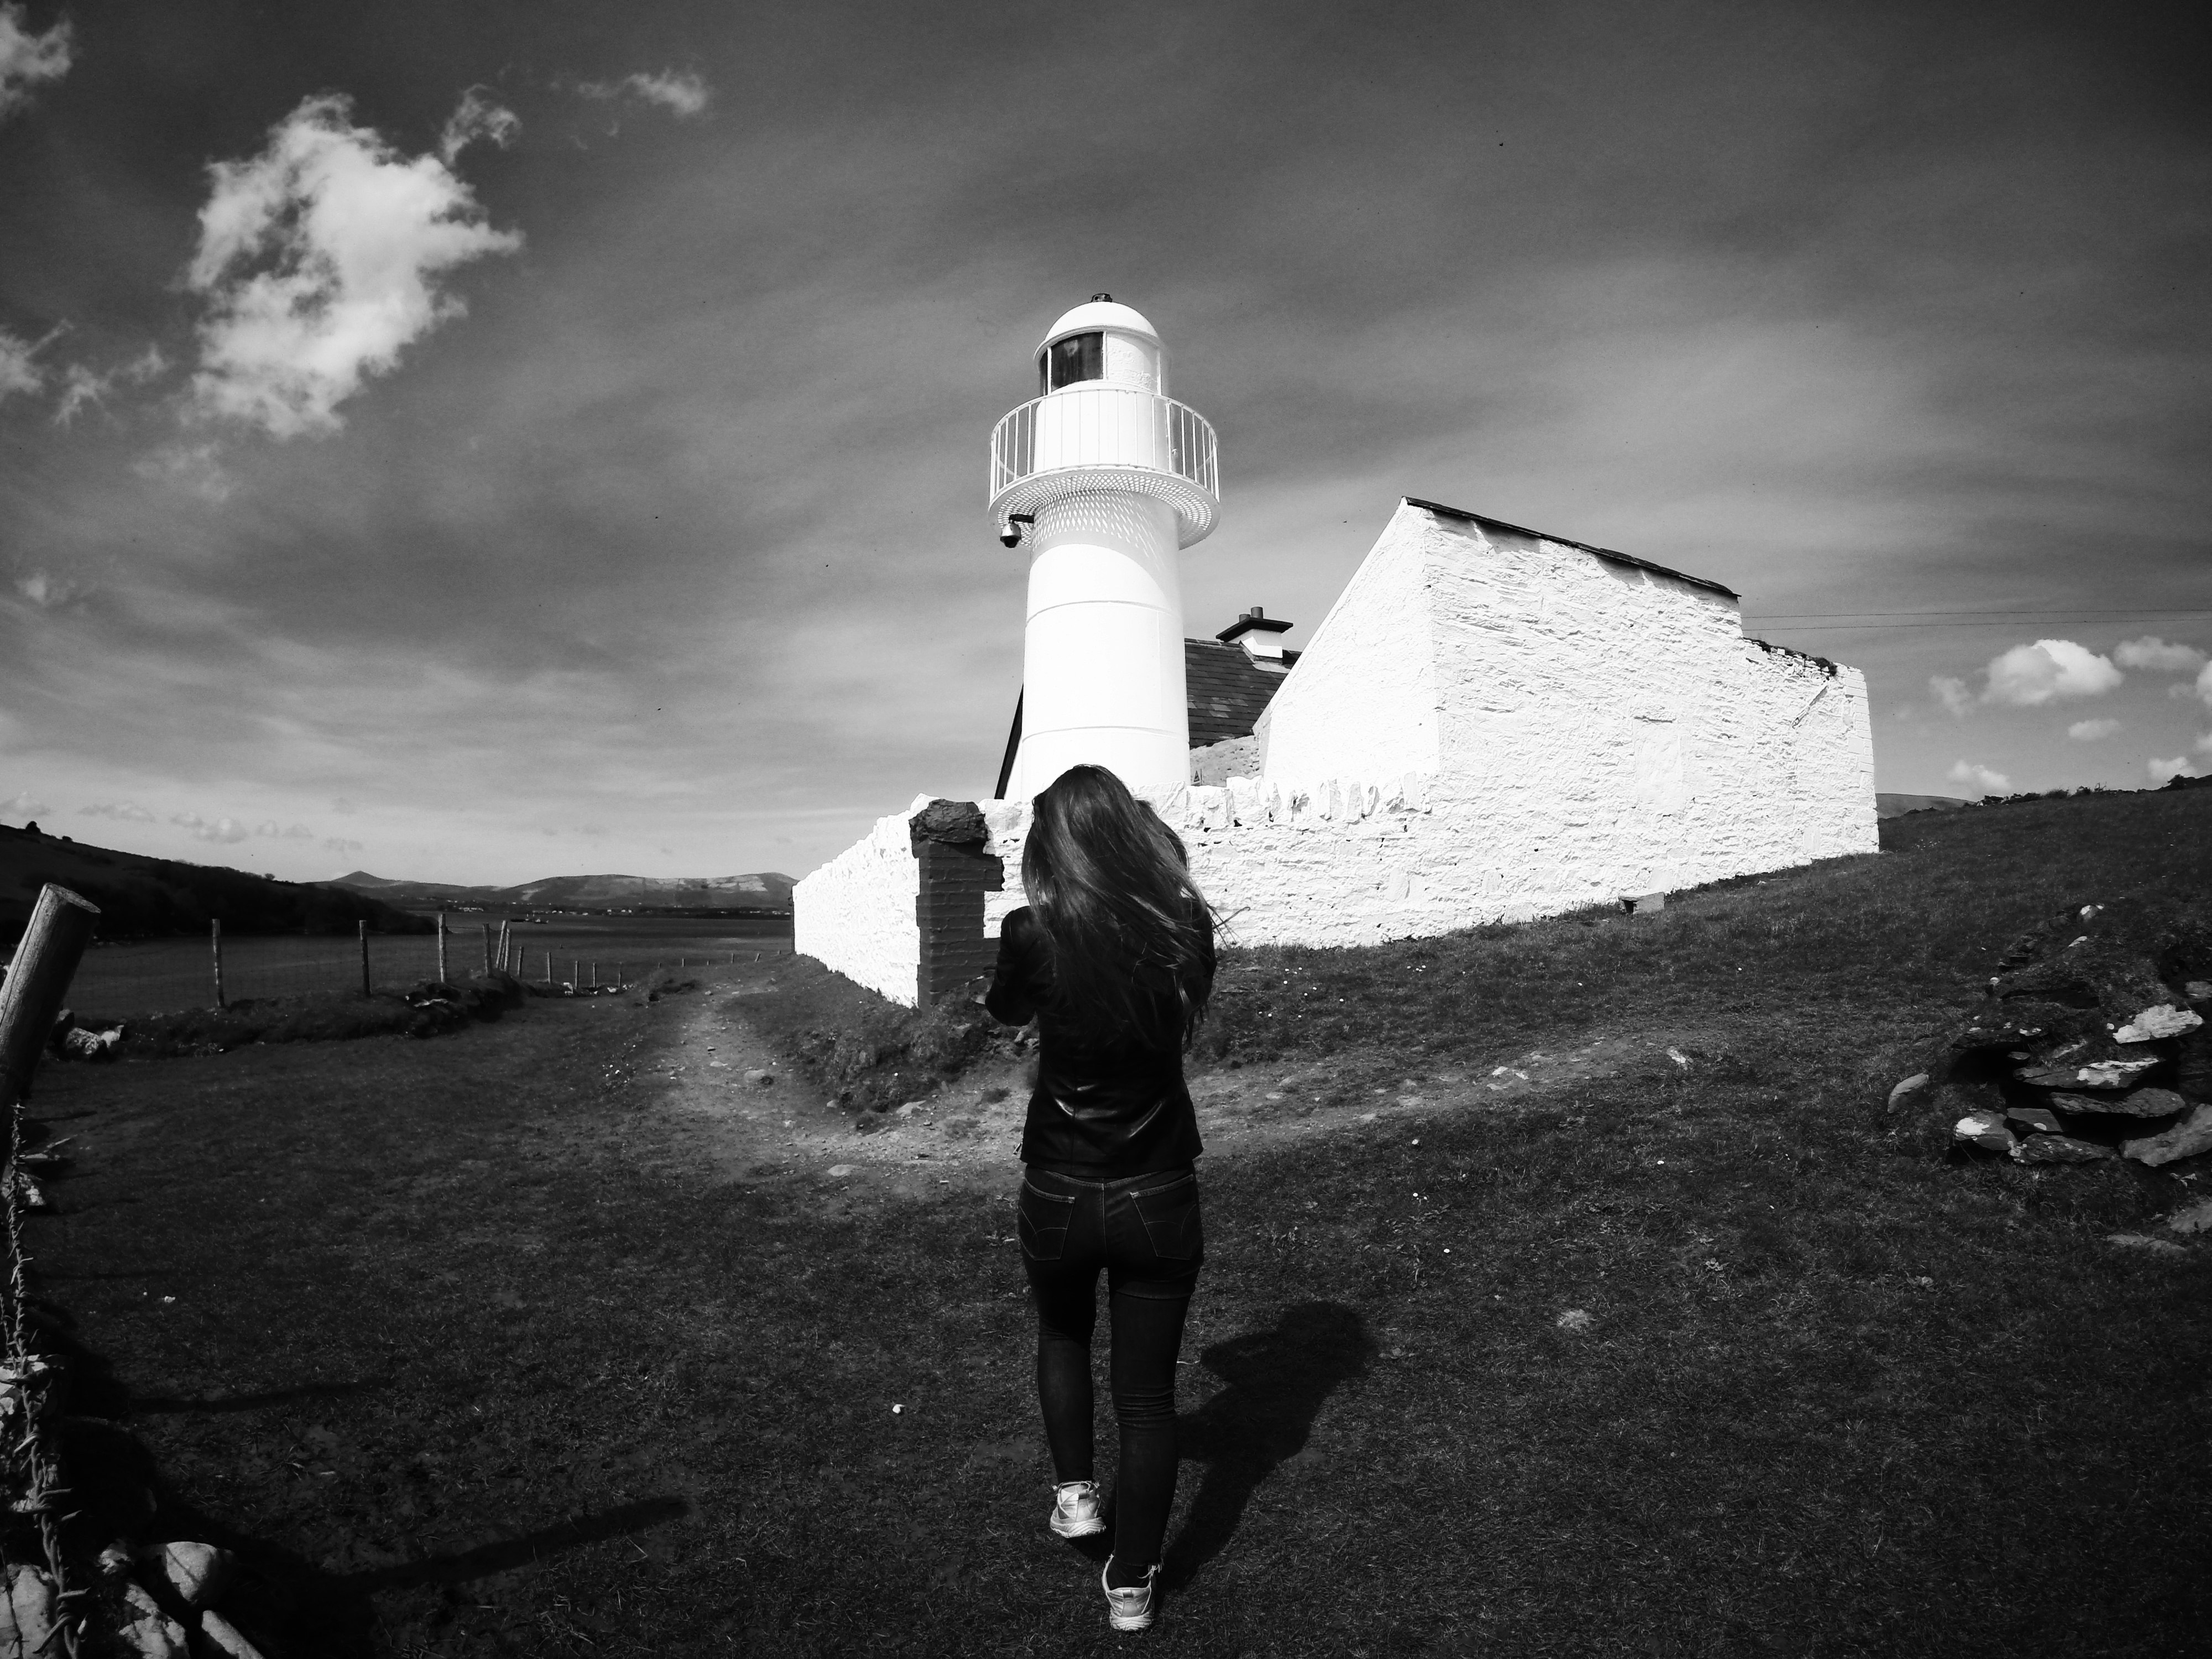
(1144, 1231)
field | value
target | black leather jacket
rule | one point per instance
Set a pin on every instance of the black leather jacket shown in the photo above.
(1101, 1110)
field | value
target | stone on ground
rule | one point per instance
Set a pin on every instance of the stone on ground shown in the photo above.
(222, 1636)
(2034, 1119)
(1904, 1091)
(2059, 1149)
(2157, 1021)
(2195, 1218)
(2193, 1136)
(2136, 1103)
(2137, 1242)
(1983, 1129)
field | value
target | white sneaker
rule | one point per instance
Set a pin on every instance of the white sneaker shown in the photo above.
(1130, 1609)
(1076, 1510)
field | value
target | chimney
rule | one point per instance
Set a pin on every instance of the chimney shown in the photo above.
(1256, 634)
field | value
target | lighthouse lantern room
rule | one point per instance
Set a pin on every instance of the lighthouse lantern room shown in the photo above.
(1105, 478)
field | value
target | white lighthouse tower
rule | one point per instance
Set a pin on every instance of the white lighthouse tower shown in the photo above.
(1105, 479)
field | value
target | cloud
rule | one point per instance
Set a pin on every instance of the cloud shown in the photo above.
(2092, 731)
(222, 829)
(1981, 778)
(1951, 693)
(339, 844)
(344, 807)
(2204, 743)
(82, 386)
(477, 116)
(2155, 655)
(27, 59)
(683, 94)
(2164, 771)
(2203, 686)
(128, 810)
(23, 806)
(17, 372)
(2049, 670)
(47, 592)
(320, 260)
(270, 827)
(196, 469)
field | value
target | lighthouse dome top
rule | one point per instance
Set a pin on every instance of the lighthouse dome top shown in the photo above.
(1101, 314)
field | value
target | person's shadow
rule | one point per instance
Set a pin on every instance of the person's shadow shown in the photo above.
(1277, 1380)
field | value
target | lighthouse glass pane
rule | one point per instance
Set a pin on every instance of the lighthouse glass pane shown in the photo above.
(1078, 357)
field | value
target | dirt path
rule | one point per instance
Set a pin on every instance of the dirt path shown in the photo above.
(705, 1065)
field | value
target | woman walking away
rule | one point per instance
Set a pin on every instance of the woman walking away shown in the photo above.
(1113, 956)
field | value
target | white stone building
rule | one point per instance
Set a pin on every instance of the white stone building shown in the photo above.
(1490, 725)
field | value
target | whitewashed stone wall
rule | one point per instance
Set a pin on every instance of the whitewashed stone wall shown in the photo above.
(856, 914)
(1489, 725)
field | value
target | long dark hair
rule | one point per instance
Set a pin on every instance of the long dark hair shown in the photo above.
(1131, 935)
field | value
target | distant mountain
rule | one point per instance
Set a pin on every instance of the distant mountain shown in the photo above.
(766, 892)
(1891, 807)
(142, 897)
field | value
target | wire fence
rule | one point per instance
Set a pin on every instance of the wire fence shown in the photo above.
(125, 981)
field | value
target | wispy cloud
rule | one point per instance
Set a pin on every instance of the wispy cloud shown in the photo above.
(271, 828)
(2049, 670)
(2164, 771)
(1953, 693)
(24, 805)
(82, 386)
(320, 260)
(197, 468)
(19, 374)
(477, 116)
(1989, 782)
(681, 93)
(224, 830)
(27, 59)
(2155, 656)
(127, 811)
(339, 844)
(2092, 731)
(48, 592)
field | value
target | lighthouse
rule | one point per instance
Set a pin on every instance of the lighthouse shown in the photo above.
(1105, 478)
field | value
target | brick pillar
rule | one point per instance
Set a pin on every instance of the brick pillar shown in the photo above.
(948, 838)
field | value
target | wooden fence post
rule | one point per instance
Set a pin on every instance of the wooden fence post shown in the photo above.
(214, 950)
(487, 933)
(38, 979)
(442, 980)
(362, 928)
(548, 967)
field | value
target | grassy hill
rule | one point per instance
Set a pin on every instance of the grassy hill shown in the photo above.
(766, 893)
(142, 897)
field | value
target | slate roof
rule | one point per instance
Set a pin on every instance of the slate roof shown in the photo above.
(1229, 689)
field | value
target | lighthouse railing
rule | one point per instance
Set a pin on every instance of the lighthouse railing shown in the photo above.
(1104, 426)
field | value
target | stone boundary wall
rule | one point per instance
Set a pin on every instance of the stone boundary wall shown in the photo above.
(857, 913)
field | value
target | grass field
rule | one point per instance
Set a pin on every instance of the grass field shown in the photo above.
(558, 1337)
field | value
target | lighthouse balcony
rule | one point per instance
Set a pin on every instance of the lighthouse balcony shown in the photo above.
(1086, 438)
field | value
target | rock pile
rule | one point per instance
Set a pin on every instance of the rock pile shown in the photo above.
(2094, 1043)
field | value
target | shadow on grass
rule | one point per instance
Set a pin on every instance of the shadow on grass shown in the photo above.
(1277, 1380)
(285, 1603)
(166, 1405)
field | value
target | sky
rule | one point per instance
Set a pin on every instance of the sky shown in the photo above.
(477, 442)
